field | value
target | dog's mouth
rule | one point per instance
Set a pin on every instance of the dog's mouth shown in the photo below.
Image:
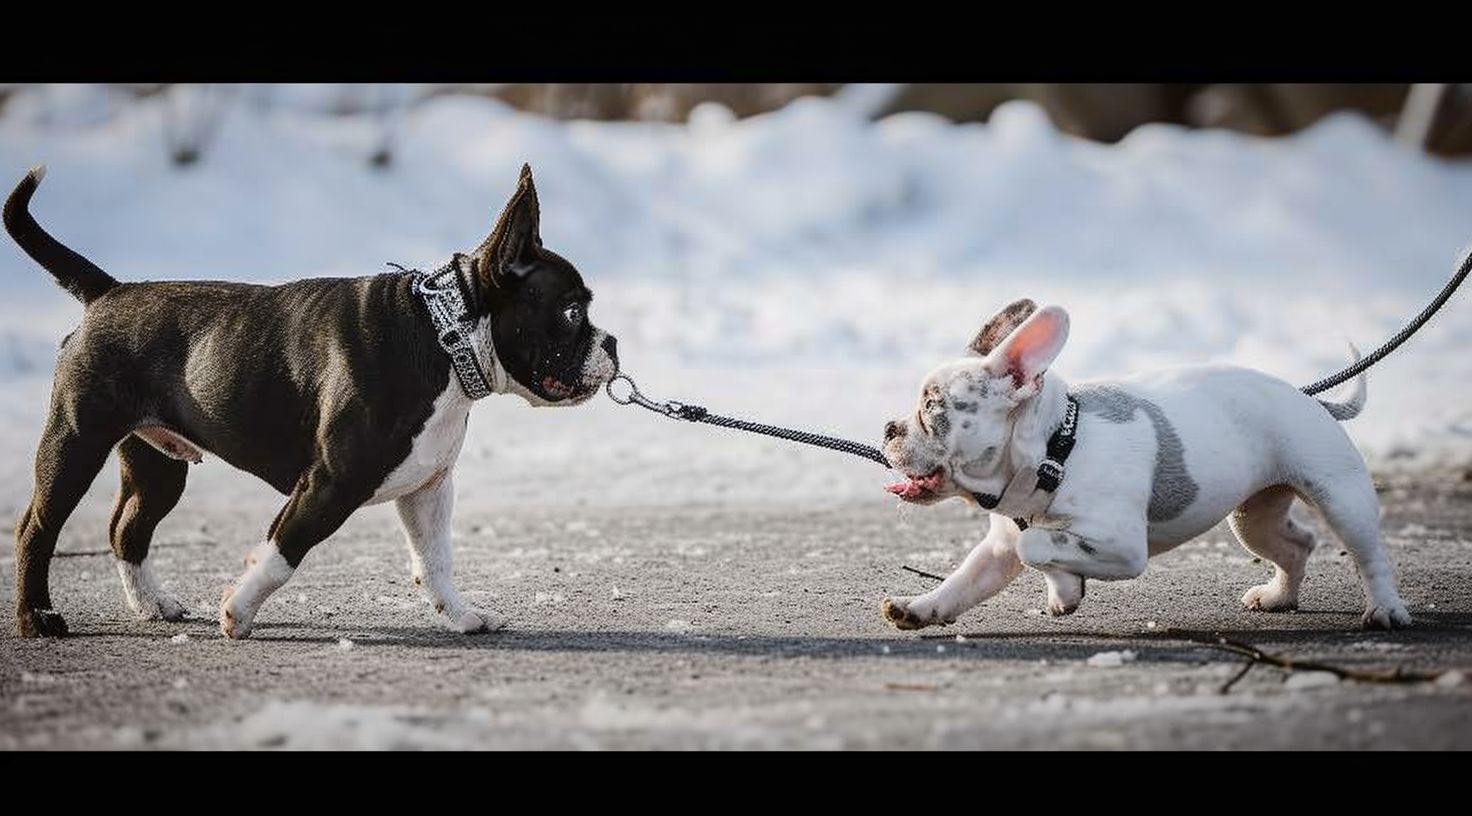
(560, 391)
(557, 389)
(919, 488)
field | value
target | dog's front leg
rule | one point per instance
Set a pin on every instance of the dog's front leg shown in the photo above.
(1066, 558)
(426, 514)
(987, 570)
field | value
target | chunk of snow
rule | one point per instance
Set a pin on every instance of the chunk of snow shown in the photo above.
(1451, 678)
(1111, 660)
(1310, 679)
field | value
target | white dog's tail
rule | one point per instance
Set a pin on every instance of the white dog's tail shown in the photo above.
(1349, 410)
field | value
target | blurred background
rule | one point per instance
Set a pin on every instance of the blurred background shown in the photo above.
(798, 253)
(1435, 117)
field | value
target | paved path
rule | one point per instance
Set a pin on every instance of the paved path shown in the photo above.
(729, 627)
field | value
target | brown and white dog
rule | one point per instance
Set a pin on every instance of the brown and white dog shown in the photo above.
(1155, 460)
(338, 392)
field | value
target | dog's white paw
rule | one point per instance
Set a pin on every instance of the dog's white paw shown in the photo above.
(1058, 608)
(476, 620)
(1065, 593)
(143, 594)
(235, 621)
(1391, 615)
(159, 607)
(1269, 598)
(908, 613)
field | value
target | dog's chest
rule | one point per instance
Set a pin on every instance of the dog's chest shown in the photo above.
(435, 448)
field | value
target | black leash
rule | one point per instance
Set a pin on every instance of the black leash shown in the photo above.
(1401, 336)
(695, 413)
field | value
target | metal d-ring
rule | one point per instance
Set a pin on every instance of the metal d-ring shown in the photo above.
(633, 389)
(634, 397)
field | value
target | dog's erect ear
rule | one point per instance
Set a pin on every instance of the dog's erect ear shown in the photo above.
(1031, 348)
(1001, 325)
(512, 246)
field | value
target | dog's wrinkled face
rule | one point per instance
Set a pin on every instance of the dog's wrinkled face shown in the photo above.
(538, 308)
(956, 441)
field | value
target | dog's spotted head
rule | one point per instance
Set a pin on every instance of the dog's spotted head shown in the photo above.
(538, 308)
(955, 443)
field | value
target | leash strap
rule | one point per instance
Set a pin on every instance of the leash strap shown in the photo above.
(695, 413)
(444, 298)
(1401, 336)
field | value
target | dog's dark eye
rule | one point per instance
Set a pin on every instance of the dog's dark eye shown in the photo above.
(573, 314)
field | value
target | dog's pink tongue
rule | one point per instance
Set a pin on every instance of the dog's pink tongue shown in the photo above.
(904, 489)
(912, 486)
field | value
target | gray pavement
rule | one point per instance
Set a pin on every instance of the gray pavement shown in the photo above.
(744, 626)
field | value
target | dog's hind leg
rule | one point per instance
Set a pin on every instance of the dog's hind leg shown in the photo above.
(317, 507)
(425, 514)
(67, 460)
(151, 485)
(1265, 529)
(1353, 511)
(987, 570)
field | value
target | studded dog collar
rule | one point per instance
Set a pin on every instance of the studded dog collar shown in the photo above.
(444, 295)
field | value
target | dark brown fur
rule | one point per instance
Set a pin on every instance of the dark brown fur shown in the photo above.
(318, 386)
(1001, 325)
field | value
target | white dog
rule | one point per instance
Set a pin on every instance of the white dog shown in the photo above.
(1090, 481)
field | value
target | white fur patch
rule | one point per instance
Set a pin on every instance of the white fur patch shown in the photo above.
(434, 449)
(144, 595)
(268, 572)
(426, 518)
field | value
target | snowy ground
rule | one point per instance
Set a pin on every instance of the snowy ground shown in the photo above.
(805, 267)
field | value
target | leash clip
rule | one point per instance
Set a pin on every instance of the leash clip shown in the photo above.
(673, 409)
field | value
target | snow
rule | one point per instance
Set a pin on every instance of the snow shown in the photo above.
(1451, 678)
(1111, 660)
(1310, 680)
(805, 267)
(182, 637)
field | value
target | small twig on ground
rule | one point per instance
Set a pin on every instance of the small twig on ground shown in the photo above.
(1396, 675)
(1252, 653)
(921, 573)
(1241, 673)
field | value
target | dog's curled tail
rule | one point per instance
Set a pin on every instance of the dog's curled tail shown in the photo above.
(76, 274)
(1351, 409)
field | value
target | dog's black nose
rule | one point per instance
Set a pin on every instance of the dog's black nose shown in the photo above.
(892, 429)
(610, 345)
